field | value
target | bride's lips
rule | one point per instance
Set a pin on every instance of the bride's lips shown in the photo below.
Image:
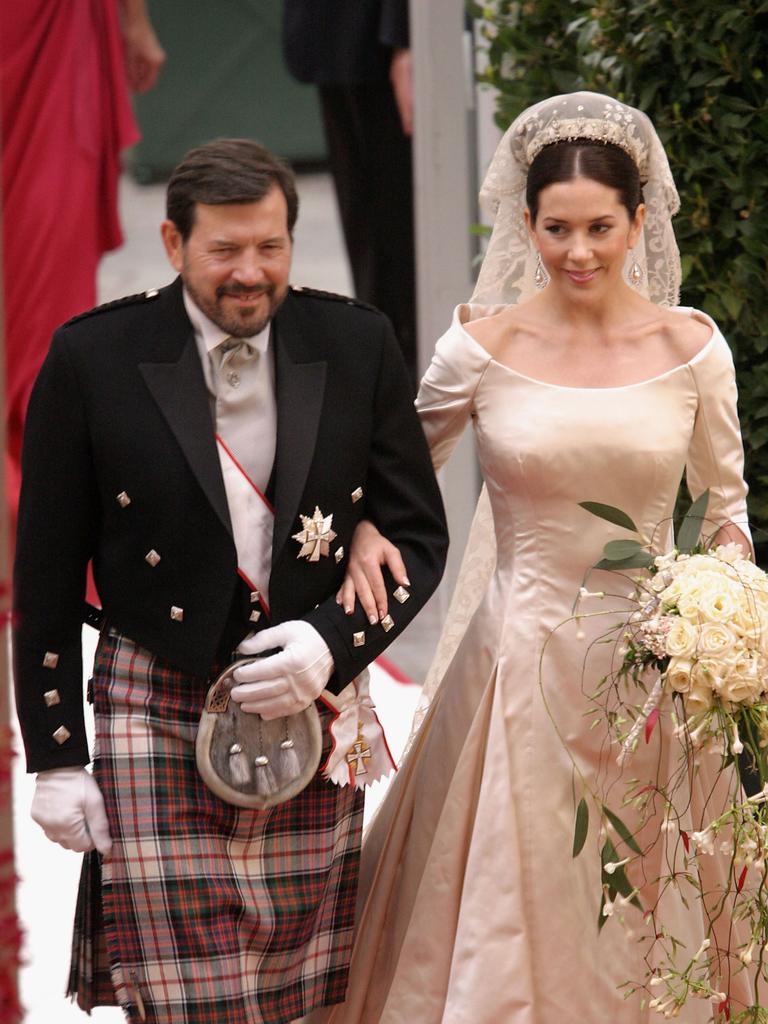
(582, 276)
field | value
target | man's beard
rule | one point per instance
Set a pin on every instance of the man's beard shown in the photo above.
(233, 323)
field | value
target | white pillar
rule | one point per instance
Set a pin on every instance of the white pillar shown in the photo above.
(444, 190)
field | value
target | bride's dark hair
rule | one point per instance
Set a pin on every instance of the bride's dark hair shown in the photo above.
(584, 158)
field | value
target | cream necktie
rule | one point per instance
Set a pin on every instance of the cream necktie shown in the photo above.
(245, 406)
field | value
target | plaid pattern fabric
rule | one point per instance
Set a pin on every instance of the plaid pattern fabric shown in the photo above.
(211, 913)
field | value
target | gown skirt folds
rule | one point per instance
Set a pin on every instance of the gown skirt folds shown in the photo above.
(472, 906)
(205, 912)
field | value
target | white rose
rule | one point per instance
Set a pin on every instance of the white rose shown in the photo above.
(747, 619)
(670, 593)
(744, 683)
(747, 570)
(715, 638)
(705, 673)
(739, 689)
(689, 604)
(729, 552)
(678, 674)
(718, 602)
(681, 640)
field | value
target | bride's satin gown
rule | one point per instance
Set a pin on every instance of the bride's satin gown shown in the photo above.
(476, 912)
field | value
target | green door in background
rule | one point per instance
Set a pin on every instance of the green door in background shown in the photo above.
(224, 76)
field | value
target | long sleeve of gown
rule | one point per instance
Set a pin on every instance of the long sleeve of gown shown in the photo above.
(446, 396)
(716, 453)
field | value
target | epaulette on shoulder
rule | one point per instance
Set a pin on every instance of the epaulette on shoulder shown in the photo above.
(126, 300)
(316, 293)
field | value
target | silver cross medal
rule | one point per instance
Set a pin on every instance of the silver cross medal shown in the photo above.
(316, 537)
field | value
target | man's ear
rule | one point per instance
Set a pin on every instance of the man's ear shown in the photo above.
(173, 243)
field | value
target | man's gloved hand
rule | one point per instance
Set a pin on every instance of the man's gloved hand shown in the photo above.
(284, 683)
(69, 808)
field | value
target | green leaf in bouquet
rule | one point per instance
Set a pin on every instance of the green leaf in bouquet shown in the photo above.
(582, 827)
(641, 560)
(690, 528)
(609, 513)
(616, 550)
(622, 830)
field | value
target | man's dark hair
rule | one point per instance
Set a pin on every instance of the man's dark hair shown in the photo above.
(603, 162)
(227, 171)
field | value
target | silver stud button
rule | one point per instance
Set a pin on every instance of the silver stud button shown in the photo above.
(356, 495)
(387, 623)
(62, 734)
(51, 698)
(123, 500)
(401, 595)
(255, 615)
(152, 557)
(50, 659)
(177, 614)
(338, 554)
(358, 639)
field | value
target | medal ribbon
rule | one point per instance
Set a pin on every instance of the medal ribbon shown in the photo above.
(253, 521)
(360, 755)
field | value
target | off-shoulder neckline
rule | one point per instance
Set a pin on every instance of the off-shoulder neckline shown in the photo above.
(689, 310)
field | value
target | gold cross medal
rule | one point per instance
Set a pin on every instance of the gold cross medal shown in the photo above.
(316, 537)
(360, 754)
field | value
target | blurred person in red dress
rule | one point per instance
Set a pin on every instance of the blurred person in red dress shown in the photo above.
(66, 70)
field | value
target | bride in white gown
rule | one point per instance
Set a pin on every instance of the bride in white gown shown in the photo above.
(591, 386)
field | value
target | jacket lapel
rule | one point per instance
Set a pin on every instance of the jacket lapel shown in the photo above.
(178, 387)
(300, 393)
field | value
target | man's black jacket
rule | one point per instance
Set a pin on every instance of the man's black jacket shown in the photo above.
(121, 409)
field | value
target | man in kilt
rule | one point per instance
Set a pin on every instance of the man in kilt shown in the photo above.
(210, 448)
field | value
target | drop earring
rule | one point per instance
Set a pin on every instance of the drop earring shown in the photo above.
(635, 272)
(540, 276)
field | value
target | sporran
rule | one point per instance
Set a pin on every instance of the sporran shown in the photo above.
(251, 762)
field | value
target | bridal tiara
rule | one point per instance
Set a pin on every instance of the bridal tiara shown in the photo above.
(615, 126)
(576, 129)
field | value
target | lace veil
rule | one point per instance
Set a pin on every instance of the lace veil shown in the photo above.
(507, 277)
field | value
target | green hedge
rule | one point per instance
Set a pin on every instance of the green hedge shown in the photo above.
(697, 69)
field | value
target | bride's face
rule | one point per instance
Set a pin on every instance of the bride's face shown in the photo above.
(583, 232)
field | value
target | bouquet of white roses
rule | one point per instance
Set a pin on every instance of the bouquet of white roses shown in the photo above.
(694, 644)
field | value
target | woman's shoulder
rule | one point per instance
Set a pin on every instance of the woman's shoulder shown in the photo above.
(489, 327)
(690, 333)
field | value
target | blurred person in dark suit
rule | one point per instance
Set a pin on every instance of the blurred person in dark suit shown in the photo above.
(357, 53)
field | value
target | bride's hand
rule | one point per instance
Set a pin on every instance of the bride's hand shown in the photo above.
(364, 580)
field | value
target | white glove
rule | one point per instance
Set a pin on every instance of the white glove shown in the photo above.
(284, 683)
(69, 808)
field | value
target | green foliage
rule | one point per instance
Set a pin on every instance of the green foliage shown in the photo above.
(690, 528)
(609, 513)
(581, 828)
(697, 69)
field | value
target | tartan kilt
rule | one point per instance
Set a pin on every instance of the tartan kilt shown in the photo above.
(205, 912)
